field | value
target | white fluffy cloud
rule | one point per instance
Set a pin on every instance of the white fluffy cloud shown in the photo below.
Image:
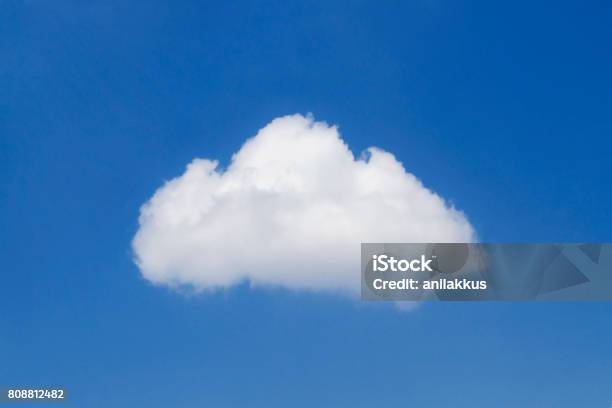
(290, 210)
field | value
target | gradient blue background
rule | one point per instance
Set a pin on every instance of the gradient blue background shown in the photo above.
(504, 109)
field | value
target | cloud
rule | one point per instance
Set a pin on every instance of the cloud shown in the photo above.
(290, 211)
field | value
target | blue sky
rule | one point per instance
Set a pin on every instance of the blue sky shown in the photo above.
(502, 109)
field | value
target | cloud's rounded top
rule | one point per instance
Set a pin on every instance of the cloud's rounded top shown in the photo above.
(291, 210)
